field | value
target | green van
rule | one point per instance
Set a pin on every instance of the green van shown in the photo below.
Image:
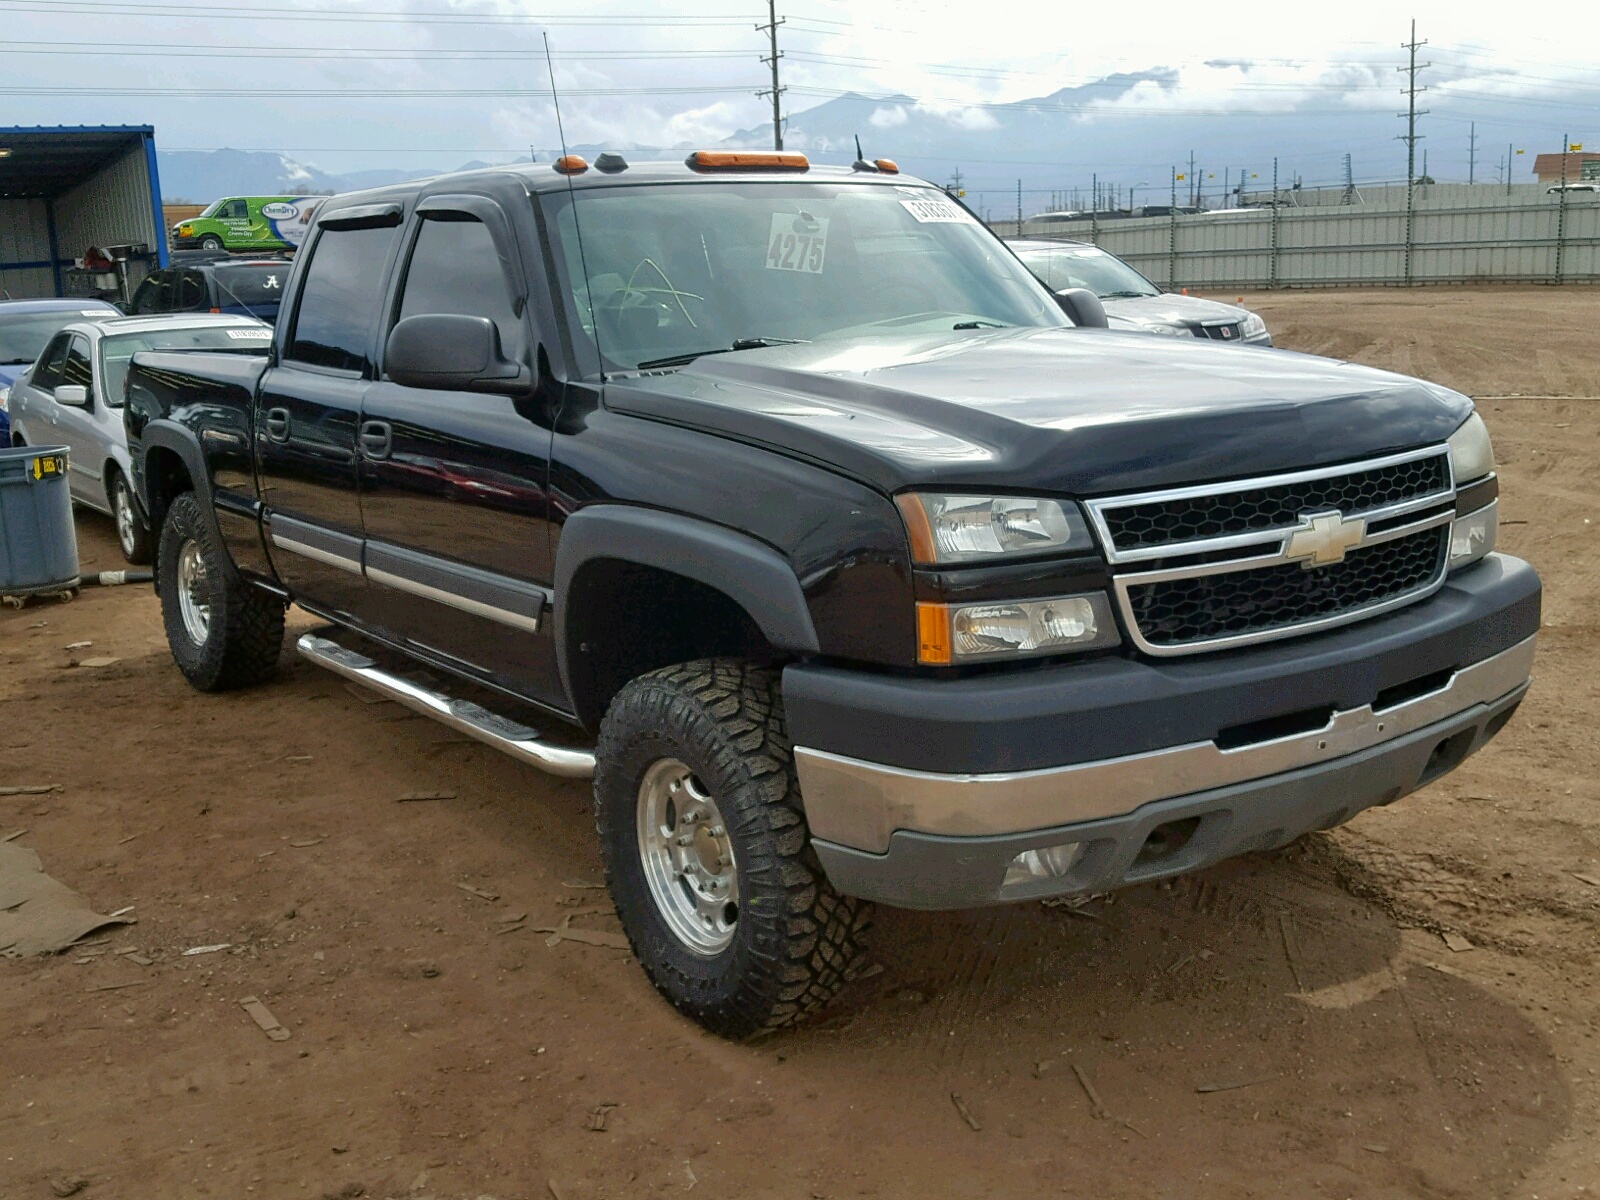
(248, 223)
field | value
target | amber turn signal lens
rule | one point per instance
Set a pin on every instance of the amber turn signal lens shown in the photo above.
(747, 160)
(933, 635)
(571, 164)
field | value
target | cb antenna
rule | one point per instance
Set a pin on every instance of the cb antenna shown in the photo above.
(572, 199)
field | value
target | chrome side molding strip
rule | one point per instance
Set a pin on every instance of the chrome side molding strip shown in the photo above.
(861, 804)
(461, 715)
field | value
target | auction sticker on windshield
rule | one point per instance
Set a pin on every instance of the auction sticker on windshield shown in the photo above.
(936, 210)
(250, 335)
(798, 242)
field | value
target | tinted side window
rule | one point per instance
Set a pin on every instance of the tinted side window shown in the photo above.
(234, 210)
(47, 374)
(191, 292)
(153, 295)
(76, 370)
(339, 298)
(455, 269)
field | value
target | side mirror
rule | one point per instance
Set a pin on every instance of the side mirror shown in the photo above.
(1084, 307)
(451, 353)
(74, 395)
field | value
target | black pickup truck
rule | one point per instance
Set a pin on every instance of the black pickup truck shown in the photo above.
(787, 504)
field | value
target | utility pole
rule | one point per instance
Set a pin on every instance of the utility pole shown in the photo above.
(955, 183)
(1561, 212)
(1193, 182)
(1349, 196)
(1508, 168)
(1472, 154)
(1411, 114)
(1019, 208)
(776, 92)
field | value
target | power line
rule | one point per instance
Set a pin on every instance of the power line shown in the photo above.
(365, 16)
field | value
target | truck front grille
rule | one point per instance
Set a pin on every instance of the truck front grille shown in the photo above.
(1190, 518)
(1179, 613)
(1227, 331)
(1222, 565)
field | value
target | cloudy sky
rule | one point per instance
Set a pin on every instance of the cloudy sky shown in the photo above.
(350, 84)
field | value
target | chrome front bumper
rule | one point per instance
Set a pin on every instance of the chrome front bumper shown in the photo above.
(926, 840)
(861, 804)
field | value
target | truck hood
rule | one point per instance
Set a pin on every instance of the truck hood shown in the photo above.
(1078, 412)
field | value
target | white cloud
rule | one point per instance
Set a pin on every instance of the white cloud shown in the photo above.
(889, 118)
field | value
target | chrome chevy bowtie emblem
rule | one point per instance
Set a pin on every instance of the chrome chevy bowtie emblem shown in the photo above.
(1324, 539)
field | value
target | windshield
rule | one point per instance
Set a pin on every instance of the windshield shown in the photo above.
(23, 337)
(117, 351)
(1108, 277)
(681, 269)
(210, 210)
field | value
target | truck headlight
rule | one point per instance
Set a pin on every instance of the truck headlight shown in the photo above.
(946, 529)
(950, 635)
(1169, 330)
(1471, 454)
(1252, 326)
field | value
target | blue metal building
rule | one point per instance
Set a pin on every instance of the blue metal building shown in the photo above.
(64, 189)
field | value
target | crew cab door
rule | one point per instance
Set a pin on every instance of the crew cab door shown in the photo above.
(458, 550)
(308, 408)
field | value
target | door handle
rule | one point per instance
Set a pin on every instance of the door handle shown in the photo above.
(278, 424)
(376, 439)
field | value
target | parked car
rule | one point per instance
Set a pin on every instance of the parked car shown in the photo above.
(1132, 301)
(251, 287)
(1573, 189)
(26, 326)
(871, 575)
(247, 223)
(73, 396)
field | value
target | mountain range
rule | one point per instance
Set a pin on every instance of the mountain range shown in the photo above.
(1047, 145)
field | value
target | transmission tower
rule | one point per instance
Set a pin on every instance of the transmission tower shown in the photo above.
(1351, 195)
(776, 91)
(1410, 137)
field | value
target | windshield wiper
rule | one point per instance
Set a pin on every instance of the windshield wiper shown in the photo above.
(15, 362)
(980, 325)
(1126, 295)
(751, 343)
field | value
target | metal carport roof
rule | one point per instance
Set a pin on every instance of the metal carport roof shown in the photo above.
(44, 161)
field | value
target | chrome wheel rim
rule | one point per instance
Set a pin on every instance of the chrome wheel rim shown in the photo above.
(688, 858)
(124, 511)
(194, 596)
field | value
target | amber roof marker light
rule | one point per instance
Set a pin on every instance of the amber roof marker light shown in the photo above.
(571, 164)
(887, 165)
(747, 160)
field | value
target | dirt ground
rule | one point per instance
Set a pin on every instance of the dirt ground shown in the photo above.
(1289, 1025)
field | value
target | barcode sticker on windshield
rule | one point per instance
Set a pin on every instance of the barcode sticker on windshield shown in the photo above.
(936, 210)
(798, 242)
(251, 335)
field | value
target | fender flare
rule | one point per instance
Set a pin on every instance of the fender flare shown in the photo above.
(749, 572)
(169, 435)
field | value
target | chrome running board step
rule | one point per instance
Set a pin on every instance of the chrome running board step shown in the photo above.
(462, 715)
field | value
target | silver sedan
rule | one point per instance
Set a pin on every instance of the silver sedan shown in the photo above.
(1131, 301)
(72, 396)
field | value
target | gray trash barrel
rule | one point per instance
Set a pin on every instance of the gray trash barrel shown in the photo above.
(38, 542)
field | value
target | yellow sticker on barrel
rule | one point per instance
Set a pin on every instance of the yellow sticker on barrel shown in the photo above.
(48, 465)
